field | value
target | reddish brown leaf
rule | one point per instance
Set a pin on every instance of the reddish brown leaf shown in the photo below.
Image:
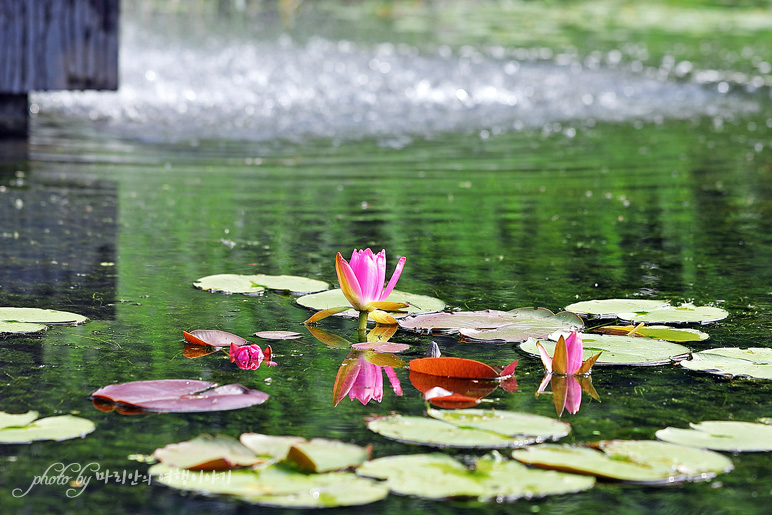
(179, 395)
(453, 367)
(213, 337)
(194, 350)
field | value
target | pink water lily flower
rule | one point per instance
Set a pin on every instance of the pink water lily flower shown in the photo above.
(567, 358)
(362, 380)
(362, 283)
(250, 357)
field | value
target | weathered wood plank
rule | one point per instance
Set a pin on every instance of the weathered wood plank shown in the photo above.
(58, 44)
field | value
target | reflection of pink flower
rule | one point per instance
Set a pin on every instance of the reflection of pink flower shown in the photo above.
(250, 357)
(567, 391)
(363, 380)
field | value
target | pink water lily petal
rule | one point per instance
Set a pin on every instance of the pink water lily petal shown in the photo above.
(394, 380)
(545, 358)
(574, 350)
(394, 278)
(349, 284)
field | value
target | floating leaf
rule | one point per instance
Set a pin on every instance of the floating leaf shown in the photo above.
(257, 284)
(40, 316)
(470, 428)
(620, 350)
(335, 298)
(454, 367)
(683, 314)
(721, 435)
(277, 485)
(207, 453)
(179, 395)
(608, 308)
(320, 455)
(659, 332)
(21, 328)
(508, 423)
(24, 428)
(528, 322)
(645, 462)
(274, 447)
(278, 335)
(753, 362)
(438, 476)
(381, 346)
(213, 337)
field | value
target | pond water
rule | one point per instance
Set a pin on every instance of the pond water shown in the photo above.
(510, 172)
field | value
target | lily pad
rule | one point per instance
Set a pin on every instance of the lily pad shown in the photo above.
(27, 428)
(278, 335)
(381, 347)
(454, 367)
(207, 453)
(608, 308)
(277, 485)
(465, 392)
(40, 316)
(179, 395)
(470, 428)
(683, 314)
(438, 476)
(21, 328)
(258, 283)
(213, 338)
(643, 462)
(321, 455)
(721, 435)
(335, 298)
(659, 332)
(753, 362)
(620, 350)
(275, 447)
(528, 323)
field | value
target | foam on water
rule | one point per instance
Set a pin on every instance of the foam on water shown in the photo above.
(263, 90)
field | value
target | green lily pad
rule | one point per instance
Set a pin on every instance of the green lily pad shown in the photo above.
(276, 485)
(320, 455)
(491, 325)
(659, 332)
(529, 322)
(207, 453)
(23, 428)
(644, 462)
(753, 362)
(40, 316)
(438, 476)
(721, 435)
(21, 328)
(508, 423)
(16, 419)
(274, 447)
(471, 429)
(258, 283)
(335, 298)
(683, 314)
(620, 350)
(608, 308)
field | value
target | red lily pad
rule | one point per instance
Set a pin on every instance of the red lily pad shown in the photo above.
(465, 392)
(178, 395)
(454, 367)
(194, 350)
(213, 337)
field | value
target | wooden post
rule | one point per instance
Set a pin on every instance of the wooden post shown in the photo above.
(54, 45)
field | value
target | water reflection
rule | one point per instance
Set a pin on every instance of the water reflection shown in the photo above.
(567, 391)
(361, 377)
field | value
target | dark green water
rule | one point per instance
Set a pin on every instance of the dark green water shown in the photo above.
(118, 227)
